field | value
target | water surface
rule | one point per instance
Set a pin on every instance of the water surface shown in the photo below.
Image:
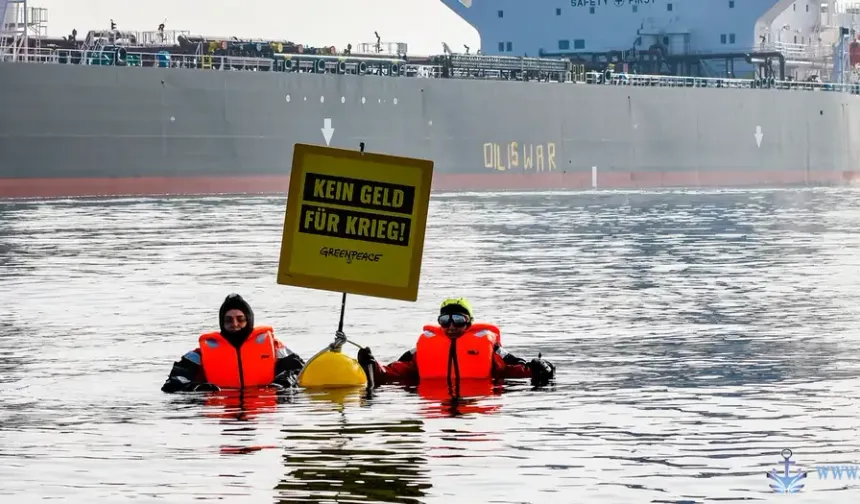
(696, 334)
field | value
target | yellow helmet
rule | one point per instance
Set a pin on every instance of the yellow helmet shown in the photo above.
(456, 305)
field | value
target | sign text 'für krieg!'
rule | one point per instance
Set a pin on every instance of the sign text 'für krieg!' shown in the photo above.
(358, 221)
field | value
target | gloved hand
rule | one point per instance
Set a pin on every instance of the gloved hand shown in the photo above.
(542, 370)
(339, 340)
(366, 358)
(285, 380)
(206, 387)
(368, 364)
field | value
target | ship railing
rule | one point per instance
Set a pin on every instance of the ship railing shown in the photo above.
(798, 51)
(626, 79)
(152, 38)
(387, 48)
(508, 68)
(120, 56)
(510, 63)
(347, 64)
(161, 38)
(437, 68)
(354, 65)
(510, 75)
(790, 51)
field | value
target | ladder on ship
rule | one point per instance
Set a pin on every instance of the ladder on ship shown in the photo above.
(100, 52)
(17, 23)
(93, 52)
(10, 32)
(85, 53)
(205, 59)
(4, 4)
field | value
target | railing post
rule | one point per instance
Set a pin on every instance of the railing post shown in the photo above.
(468, 67)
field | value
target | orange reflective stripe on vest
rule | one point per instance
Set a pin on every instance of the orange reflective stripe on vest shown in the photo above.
(252, 366)
(475, 351)
(481, 328)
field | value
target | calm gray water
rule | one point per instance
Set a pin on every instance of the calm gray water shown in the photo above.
(696, 336)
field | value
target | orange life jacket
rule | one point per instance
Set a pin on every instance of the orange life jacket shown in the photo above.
(474, 351)
(252, 366)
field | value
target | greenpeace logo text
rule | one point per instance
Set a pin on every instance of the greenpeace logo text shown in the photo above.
(349, 255)
(838, 472)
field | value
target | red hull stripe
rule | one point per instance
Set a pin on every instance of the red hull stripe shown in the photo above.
(156, 186)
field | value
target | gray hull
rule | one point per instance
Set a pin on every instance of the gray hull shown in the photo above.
(183, 128)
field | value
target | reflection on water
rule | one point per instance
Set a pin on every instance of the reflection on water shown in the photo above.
(440, 400)
(695, 334)
(381, 461)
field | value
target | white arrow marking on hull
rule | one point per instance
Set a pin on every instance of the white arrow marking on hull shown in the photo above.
(327, 130)
(758, 136)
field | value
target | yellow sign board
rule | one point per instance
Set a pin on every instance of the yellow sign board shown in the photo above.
(355, 222)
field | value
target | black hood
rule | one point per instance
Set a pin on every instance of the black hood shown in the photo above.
(235, 302)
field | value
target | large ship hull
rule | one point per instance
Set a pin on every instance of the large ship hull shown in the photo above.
(76, 130)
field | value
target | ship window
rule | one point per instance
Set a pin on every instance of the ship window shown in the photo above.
(669, 7)
(501, 14)
(509, 47)
(731, 38)
(635, 8)
(579, 44)
(591, 10)
(501, 47)
(558, 12)
(807, 7)
(794, 7)
(731, 4)
(795, 39)
(723, 38)
(564, 45)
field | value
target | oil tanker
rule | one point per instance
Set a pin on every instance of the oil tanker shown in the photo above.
(647, 94)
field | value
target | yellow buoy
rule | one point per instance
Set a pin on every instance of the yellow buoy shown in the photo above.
(332, 369)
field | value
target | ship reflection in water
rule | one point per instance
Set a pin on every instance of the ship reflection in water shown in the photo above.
(375, 460)
(378, 460)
